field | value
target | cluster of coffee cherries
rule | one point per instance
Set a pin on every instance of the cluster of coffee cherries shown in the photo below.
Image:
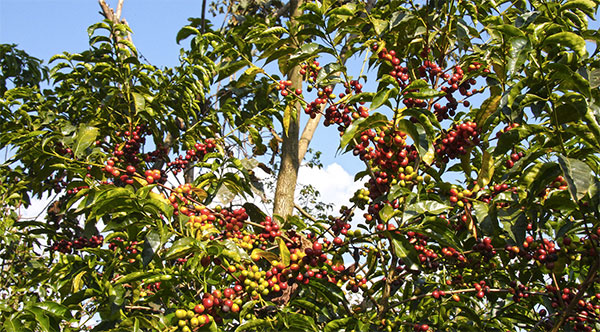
(283, 88)
(496, 189)
(421, 327)
(198, 152)
(514, 157)
(122, 166)
(481, 289)
(310, 72)
(341, 114)
(390, 151)
(62, 150)
(506, 128)
(180, 202)
(559, 183)
(457, 82)
(344, 114)
(155, 175)
(361, 198)
(400, 73)
(75, 190)
(67, 247)
(270, 230)
(427, 256)
(354, 284)
(432, 72)
(460, 198)
(585, 313)
(134, 140)
(485, 248)
(188, 320)
(519, 291)
(457, 141)
(111, 169)
(450, 252)
(341, 224)
(131, 249)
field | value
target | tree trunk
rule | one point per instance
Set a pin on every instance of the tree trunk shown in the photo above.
(290, 162)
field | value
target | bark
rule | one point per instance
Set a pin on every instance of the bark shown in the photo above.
(110, 14)
(307, 135)
(288, 171)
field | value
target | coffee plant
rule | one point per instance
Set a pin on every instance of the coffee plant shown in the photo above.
(476, 123)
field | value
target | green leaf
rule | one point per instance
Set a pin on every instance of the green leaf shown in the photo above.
(307, 50)
(403, 253)
(13, 325)
(300, 322)
(328, 289)
(253, 324)
(487, 169)
(425, 93)
(578, 175)
(379, 25)
(284, 252)
(387, 212)
(151, 245)
(140, 102)
(358, 126)
(86, 135)
(77, 283)
(519, 50)
(569, 79)
(274, 31)
(289, 115)
(254, 212)
(134, 276)
(180, 246)
(514, 222)
(424, 206)
(338, 324)
(417, 84)
(417, 133)
(568, 39)
(269, 256)
(586, 6)
(380, 98)
(509, 30)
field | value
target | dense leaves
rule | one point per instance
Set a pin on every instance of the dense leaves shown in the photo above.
(479, 211)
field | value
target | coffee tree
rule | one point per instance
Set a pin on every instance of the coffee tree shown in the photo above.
(476, 122)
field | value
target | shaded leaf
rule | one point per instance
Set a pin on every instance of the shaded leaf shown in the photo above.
(578, 175)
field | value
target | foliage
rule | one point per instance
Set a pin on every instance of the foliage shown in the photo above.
(477, 123)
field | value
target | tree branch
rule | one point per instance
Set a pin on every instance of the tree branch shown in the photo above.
(304, 213)
(107, 12)
(110, 14)
(307, 135)
(119, 10)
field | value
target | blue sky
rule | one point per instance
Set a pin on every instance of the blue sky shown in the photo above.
(47, 27)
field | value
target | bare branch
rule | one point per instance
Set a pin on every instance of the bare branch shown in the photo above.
(119, 10)
(107, 12)
(307, 135)
(304, 213)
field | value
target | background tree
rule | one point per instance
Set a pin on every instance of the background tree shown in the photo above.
(477, 123)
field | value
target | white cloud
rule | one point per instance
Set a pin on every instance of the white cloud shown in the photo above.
(333, 182)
